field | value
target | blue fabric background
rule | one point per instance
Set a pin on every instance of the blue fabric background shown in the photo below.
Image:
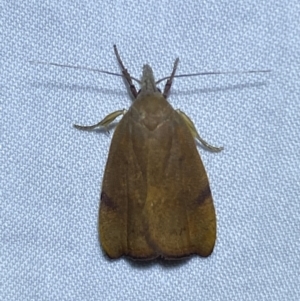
(51, 173)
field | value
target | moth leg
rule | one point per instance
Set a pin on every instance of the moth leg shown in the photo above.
(126, 73)
(195, 134)
(105, 122)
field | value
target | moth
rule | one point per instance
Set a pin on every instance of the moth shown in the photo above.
(155, 199)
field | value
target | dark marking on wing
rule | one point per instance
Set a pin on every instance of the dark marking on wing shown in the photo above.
(107, 201)
(204, 194)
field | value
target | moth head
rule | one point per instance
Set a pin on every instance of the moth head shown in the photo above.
(147, 83)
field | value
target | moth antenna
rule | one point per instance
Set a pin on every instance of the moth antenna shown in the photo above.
(213, 73)
(77, 67)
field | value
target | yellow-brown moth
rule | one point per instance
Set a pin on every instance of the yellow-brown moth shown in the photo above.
(155, 199)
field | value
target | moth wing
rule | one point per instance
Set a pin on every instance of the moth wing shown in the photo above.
(199, 205)
(179, 206)
(121, 225)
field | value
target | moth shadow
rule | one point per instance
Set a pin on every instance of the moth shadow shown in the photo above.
(196, 91)
(107, 130)
(79, 88)
(166, 264)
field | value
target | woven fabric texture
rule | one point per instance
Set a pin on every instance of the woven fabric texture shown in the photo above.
(51, 173)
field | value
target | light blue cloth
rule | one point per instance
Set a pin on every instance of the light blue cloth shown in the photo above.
(51, 173)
